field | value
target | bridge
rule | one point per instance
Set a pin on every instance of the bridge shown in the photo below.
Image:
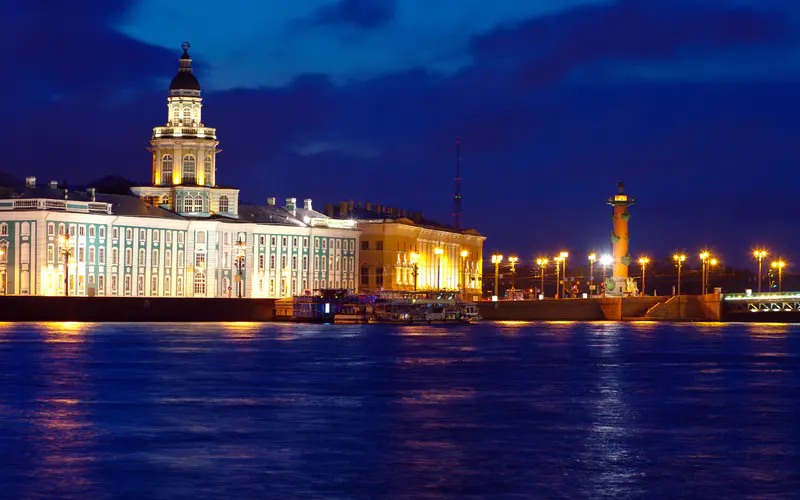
(785, 303)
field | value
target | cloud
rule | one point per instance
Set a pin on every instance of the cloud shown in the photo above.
(365, 14)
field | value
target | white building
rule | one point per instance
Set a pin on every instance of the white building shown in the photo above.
(181, 236)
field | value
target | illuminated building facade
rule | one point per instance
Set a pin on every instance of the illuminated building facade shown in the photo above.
(403, 250)
(182, 236)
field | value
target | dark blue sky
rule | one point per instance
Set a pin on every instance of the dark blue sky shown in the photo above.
(693, 103)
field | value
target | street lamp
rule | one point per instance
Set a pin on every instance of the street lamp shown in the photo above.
(66, 241)
(438, 251)
(557, 260)
(704, 255)
(592, 258)
(759, 254)
(679, 259)
(240, 248)
(605, 261)
(415, 265)
(513, 261)
(464, 255)
(711, 263)
(564, 256)
(643, 261)
(496, 260)
(542, 263)
(779, 265)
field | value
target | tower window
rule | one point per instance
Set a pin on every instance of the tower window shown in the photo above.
(188, 169)
(207, 171)
(223, 204)
(187, 116)
(166, 169)
(198, 204)
(176, 114)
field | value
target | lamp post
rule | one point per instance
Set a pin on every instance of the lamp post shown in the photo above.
(496, 260)
(592, 258)
(66, 241)
(679, 260)
(5, 274)
(464, 255)
(711, 263)
(513, 261)
(542, 262)
(564, 256)
(557, 261)
(643, 261)
(415, 267)
(759, 254)
(240, 248)
(605, 261)
(438, 251)
(704, 255)
(779, 265)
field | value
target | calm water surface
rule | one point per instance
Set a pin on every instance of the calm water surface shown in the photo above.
(504, 410)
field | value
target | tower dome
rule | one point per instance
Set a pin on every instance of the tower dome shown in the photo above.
(185, 80)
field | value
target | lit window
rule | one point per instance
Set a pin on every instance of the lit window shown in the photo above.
(200, 260)
(261, 261)
(142, 234)
(114, 256)
(189, 169)
(81, 231)
(128, 257)
(207, 170)
(283, 262)
(129, 234)
(187, 116)
(91, 255)
(101, 255)
(154, 259)
(294, 261)
(199, 284)
(51, 229)
(141, 256)
(272, 262)
(223, 204)
(91, 232)
(262, 240)
(198, 204)
(51, 253)
(102, 232)
(113, 283)
(166, 169)
(127, 283)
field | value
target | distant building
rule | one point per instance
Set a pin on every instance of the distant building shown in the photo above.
(181, 236)
(395, 243)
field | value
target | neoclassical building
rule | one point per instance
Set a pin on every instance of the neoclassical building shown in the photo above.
(181, 236)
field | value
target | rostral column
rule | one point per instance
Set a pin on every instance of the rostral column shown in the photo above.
(619, 284)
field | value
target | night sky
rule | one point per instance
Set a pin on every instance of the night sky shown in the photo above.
(692, 103)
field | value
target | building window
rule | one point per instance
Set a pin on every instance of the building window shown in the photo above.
(140, 285)
(200, 260)
(283, 242)
(351, 267)
(272, 262)
(168, 257)
(364, 245)
(201, 237)
(364, 275)
(332, 245)
(51, 229)
(165, 201)
(127, 284)
(61, 230)
(351, 285)
(262, 240)
(91, 255)
(187, 116)
(71, 229)
(198, 204)
(294, 261)
(154, 285)
(179, 285)
(113, 284)
(154, 259)
(352, 245)
(316, 262)
(305, 242)
(128, 257)
(379, 276)
(155, 236)
(273, 241)
(223, 204)
(114, 256)
(169, 237)
(330, 263)
(323, 284)
(283, 287)
(91, 232)
(81, 254)
(305, 262)
(179, 204)
(294, 242)
(166, 284)
(316, 284)
(102, 232)
(166, 169)
(101, 255)
(180, 258)
(189, 169)
(378, 245)
(101, 283)
(338, 244)
(91, 280)
(142, 235)
(338, 264)
(115, 233)
(272, 286)
(283, 262)
(324, 244)
(51, 253)
(199, 284)
(180, 238)
(261, 261)
(81, 231)
(207, 171)
(129, 234)
(26, 229)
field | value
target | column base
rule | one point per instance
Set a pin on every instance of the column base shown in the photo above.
(618, 286)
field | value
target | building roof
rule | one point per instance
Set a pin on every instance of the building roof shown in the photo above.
(268, 214)
(397, 216)
(185, 79)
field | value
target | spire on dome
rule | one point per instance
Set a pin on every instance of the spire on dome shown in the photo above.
(185, 80)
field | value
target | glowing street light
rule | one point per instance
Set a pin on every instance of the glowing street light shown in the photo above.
(496, 260)
(557, 261)
(759, 254)
(605, 261)
(704, 255)
(643, 261)
(564, 256)
(779, 265)
(438, 251)
(592, 258)
(513, 261)
(711, 263)
(464, 255)
(542, 263)
(66, 249)
(415, 265)
(679, 259)
(240, 248)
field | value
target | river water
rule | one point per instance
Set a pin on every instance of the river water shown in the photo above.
(497, 410)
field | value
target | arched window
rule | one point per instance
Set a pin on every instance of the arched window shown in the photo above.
(179, 204)
(176, 114)
(166, 169)
(187, 116)
(199, 284)
(198, 204)
(223, 203)
(188, 169)
(3, 251)
(207, 171)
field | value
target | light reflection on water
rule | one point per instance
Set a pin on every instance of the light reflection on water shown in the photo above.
(523, 409)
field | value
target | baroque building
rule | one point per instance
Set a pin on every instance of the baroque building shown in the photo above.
(181, 236)
(403, 250)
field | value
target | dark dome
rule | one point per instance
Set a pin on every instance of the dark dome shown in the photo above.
(184, 81)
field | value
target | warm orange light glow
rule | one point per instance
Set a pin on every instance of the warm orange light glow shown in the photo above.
(438, 251)
(713, 262)
(414, 257)
(564, 255)
(704, 255)
(541, 261)
(779, 264)
(644, 261)
(592, 257)
(679, 257)
(497, 258)
(759, 253)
